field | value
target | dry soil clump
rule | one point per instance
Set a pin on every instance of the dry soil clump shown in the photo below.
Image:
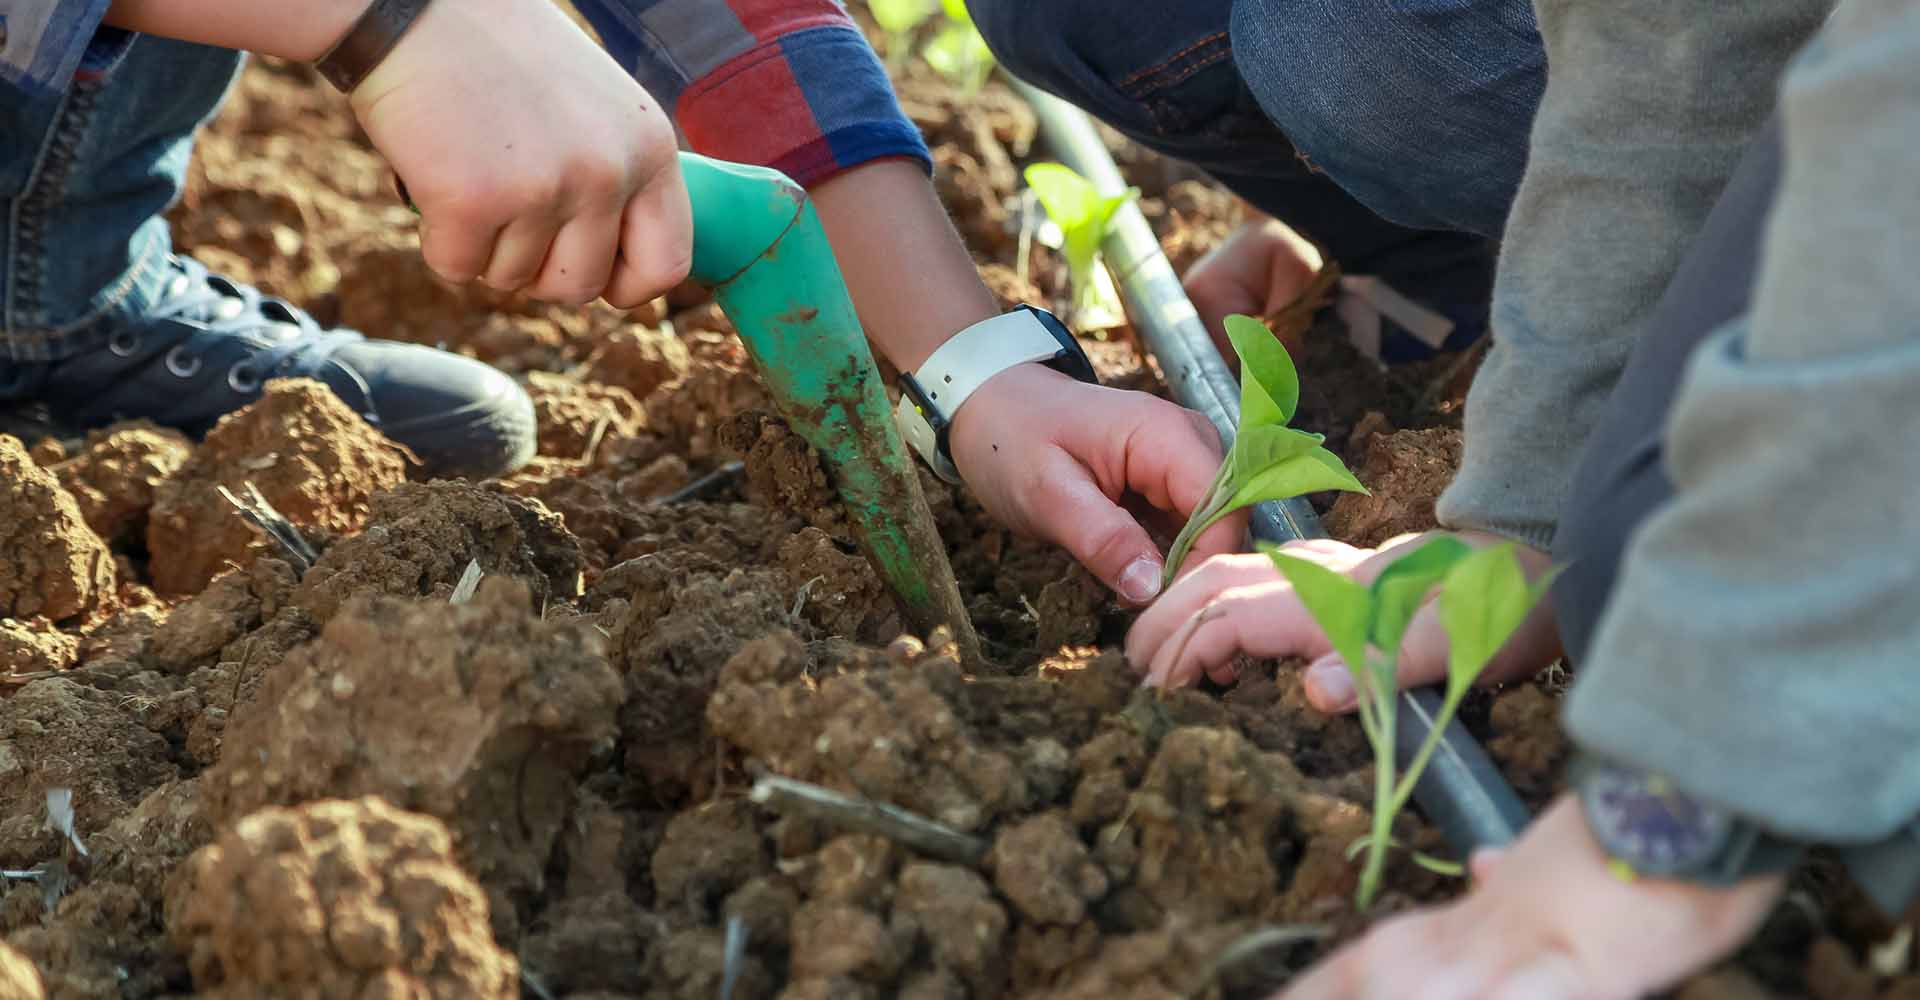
(311, 457)
(115, 476)
(338, 899)
(479, 714)
(51, 564)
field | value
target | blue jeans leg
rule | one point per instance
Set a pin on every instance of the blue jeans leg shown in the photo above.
(84, 178)
(1199, 80)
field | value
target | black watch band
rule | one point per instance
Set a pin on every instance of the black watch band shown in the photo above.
(367, 43)
(1652, 829)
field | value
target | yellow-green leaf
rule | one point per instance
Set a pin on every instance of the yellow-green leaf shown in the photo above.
(1483, 601)
(1402, 587)
(1338, 605)
(897, 17)
(1081, 212)
(1269, 384)
(958, 53)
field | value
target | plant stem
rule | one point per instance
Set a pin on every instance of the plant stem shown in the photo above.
(1381, 836)
(1205, 514)
(1427, 746)
(1370, 688)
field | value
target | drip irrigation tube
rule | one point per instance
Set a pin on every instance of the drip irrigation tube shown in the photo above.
(1461, 791)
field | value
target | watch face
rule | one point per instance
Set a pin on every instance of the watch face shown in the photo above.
(1643, 820)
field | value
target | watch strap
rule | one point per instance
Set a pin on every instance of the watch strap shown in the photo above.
(1745, 850)
(933, 395)
(367, 43)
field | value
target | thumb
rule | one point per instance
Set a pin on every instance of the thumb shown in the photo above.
(1422, 661)
(1078, 517)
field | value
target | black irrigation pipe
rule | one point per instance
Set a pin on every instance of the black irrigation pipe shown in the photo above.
(1461, 791)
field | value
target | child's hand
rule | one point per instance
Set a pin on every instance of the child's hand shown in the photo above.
(537, 163)
(1547, 920)
(1259, 270)
(1235, 604)
(1051, 457)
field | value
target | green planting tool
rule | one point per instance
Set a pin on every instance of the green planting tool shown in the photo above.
(759, 245)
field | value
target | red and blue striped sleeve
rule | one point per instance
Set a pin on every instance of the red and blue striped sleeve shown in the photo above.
(789, 84)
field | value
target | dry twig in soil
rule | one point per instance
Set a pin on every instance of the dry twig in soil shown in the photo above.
(271, 523)
(935, 840)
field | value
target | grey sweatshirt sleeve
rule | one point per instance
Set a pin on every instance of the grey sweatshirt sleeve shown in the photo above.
(1648, 106)
(1763, 643)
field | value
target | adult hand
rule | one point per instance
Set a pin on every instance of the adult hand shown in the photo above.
(1237, 604)
(1547, 920)
(1052, 457)
(537, 163)
(1260, 269)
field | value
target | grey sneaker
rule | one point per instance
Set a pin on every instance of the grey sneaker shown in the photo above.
(208, 346)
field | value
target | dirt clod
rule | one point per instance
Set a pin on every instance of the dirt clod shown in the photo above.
(311, 457)
(27, 647)
(467, 713)
(1407, 471)
(338, 899)
(1043, 867)
(419, 538)
(575, 417)
(52, 565)
(56, 733)
(639, 360)
(115, 476)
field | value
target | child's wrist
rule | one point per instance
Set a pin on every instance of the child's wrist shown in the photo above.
(368, 42)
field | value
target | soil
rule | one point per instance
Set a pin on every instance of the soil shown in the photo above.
(336, 781)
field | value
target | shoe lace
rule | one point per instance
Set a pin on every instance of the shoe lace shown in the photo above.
(285, 338)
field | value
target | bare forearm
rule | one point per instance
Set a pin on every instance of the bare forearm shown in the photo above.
(291, 29)
(910, 276)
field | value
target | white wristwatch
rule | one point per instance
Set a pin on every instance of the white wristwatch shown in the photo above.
(930, 397)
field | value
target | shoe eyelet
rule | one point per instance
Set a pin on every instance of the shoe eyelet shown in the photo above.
(124, 343)
(179, 365)
(243, 380)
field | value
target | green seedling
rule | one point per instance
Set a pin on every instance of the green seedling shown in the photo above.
(1484, 596)
(1268, 460)
(1082, 213)
(899, 18)
(958, 52)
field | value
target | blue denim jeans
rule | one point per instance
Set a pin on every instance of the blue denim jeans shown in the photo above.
(84, 179)
(1391, 132)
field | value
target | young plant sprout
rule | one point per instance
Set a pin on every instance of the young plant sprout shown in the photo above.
(898, 18)
(1268, 460)
(958, 52)
(1484, 596)
(1082, 213)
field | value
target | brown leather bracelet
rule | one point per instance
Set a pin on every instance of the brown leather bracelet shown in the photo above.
(369, 40)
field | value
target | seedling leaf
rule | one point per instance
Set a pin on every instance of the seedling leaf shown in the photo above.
(1269, 384)
(959, 53)
(1338, 605)
(1082, 213)
(1268, 460)
(1306, 472)
(1484, 600)
(1401, 588)
(897, 17)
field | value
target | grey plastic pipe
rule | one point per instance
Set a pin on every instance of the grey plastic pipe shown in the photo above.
(1461, 792)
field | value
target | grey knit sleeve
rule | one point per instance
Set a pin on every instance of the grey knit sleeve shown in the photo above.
(1763, 643)
(1648, 106)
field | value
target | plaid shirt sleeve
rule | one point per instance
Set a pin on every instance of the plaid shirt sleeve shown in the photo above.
(789, 84)
(46, 44)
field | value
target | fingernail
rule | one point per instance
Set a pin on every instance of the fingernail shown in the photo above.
(1330, 686)
(1141, 580)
